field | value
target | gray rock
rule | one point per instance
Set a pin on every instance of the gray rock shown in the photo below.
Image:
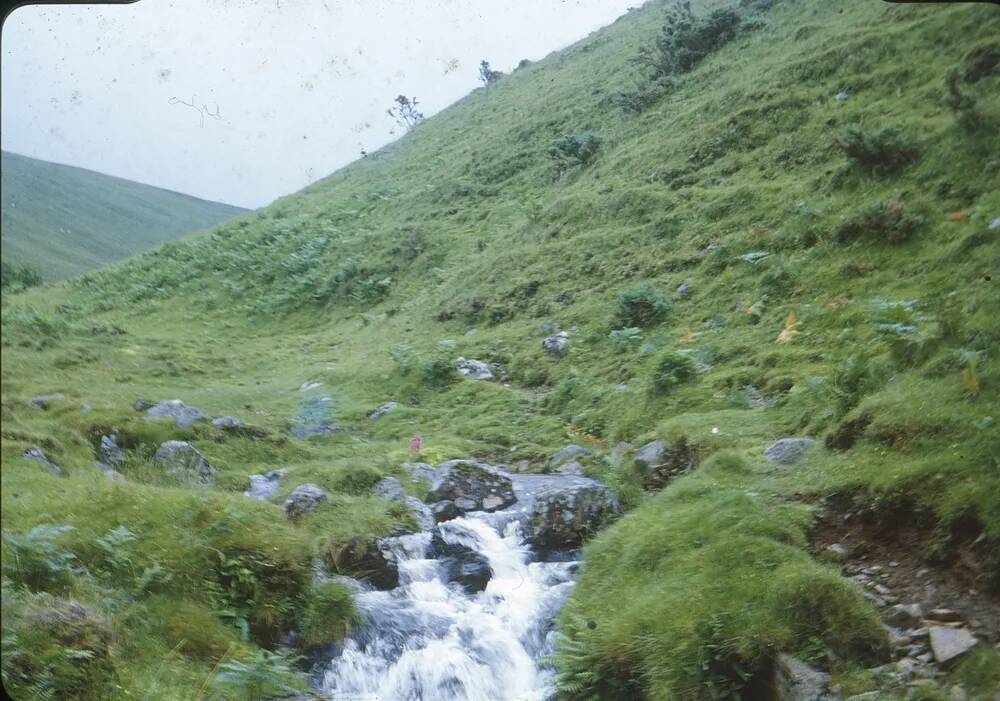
(445, 511)
(568, 453)
(422, 513)
(950, 644)
(556, 344)
(652, 454)
(563, 517)
(419, 470)
(474, 369)
(227, 422)
(306, 386)
(835, 552)
(995, 224)
(366, 558)
(842, 95)
(38, 455)
(571, 468)
(303, 499)
(390, 489)
(788, 451)
(684, 289)
(109, 451)
(661, 462)
(181, 459)
(460, 564)
(264, 487)
(182, 414)
(904, 615)
(383, 410)
(944, 615)
(794, 680)
(472, 485)
(142, 404)
(309, 431)
(44, 400)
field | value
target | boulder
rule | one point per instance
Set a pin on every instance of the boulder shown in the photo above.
(474, 369)
(38, 455)
(422, 513)
(788, 451)
(109, 451)
(419, 470)
(652, 454)
(181, 414)
(445, 511)
(390, 489)
(794, 680)
(383, 410)
(950, 644)
(460, 564)
(364, 558)
(43, 401)
(556, 344)
(661, 462)
(568, 453)
(904, 615)
(684, 289)
(563, 517)
(303, 499)
(571, 468)
(264, 487)
(183, 460)
(472, 485)
(142, 404)
(227, 423)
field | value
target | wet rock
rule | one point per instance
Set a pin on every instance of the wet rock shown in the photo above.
(390, 489)
(142, 404)
(472, 486)
(571, 468)
(181, 414)
(788, 451)
(564, 517)
(422, 513)
(445, 511)
(568, 453)
(474, 369)
(264, 487)
(904, 615)
(44, 400)
(227, 423)
(419, 470)
(366, 559)
(460, 564)
(794, 680)
(38, 455)
(109, 451)
(304, 499)
(183, 460)
(950, 644)
(556, 344)
(383, 410)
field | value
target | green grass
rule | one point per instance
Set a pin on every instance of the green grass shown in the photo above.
(63, 221)
(463, 239)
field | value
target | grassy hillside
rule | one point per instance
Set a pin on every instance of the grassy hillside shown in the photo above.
(841, 284)
(63, 221)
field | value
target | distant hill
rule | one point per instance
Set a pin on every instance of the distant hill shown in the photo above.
(63, 221)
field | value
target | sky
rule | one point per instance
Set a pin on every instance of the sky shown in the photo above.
(243, 101)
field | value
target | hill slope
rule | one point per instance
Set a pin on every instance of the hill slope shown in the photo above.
(793, 237)
(63, 221)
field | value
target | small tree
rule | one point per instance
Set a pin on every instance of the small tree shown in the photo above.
(405, 112)
(487, 74)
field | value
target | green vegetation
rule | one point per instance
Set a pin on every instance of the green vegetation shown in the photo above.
(60, 221)
(811, 311)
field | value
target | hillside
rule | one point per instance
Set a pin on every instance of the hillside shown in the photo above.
(63, 221)
(792, 233)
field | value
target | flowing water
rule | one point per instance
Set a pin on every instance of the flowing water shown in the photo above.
(428, 640)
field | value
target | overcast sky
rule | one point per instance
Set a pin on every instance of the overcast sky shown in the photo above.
(284, 92)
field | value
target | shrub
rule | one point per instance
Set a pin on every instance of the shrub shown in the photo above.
(487, 74)
(18, 277)
(357, 480)
(438, 372)
(640, 306)
(672, 369)
(38, 561)
(885, 220)
(884, 150)
(643, 97)
(962, 103)
(626, 339)
(404, 112)
(686, 40)
(264, 675)
(575, 149)
(329, 614)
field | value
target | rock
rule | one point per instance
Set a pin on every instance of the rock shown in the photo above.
(183, 460)
(43, 401)
(383, 410)
(445, 511)
(684, 289)
(304, 499)
(227, 423)
(142, 404)
(950, 644)
(904, 615)
(563, 517)
(794, 680)
(472, 485)
(390, 489)
(309, 431)
(568, 453)
(571, 468)
(661, 462)
(842, 95)
(264, 487)
(943, 615)
(38, 455)
(474, 369)
(422, 513)
(556, 344)
(460, 564)
(835, 552)
(788, 451)
(995, 224)
(182, 414)
(652, 454)
(365, 558)
(109, 451)
(419, 470)
(306, 386)
(74, 626)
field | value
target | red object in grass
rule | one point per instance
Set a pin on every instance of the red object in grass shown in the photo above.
(416, 443)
